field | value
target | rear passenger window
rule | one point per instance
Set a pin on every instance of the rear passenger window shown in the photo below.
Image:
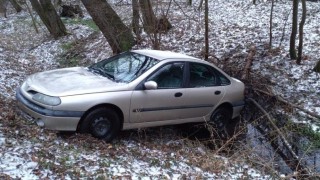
(202, 75)
(223, 80)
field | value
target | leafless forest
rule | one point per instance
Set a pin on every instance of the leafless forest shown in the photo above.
(270, 45)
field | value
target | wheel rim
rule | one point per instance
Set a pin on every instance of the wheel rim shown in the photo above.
(100, 126)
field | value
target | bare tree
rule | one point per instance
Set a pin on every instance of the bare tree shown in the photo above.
(200, 5)
(3, 8)
(206, 19)
(150, 23)
(292, 50)
(16, 5)
(301, 25)
(148, 16)
(136, 19)
(49, 17)
(317, 67)
(270, 29)
(189, 2)
(118, 35)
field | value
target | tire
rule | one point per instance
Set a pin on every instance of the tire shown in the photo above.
(221, 123)
(101, 123)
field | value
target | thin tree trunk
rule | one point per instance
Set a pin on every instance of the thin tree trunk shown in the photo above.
(317, 67)
(292, 50)
(16, 5)
(148, 16)
(49, 17)
(270, 29)
(301, 25)
(32, 17)
(3, 8)
(206, 19)
(118, 35)
(135, 19)
(189, 2)
(200, 5)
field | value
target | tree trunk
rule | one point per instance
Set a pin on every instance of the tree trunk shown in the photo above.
(317, 67)
(148, 16)
(200, 5)
(49, 17)
(32, 17)
(206, 19)
(16, 5)
(270, 29)
(118, 35)
(3, 8)
(189, 2)
(301, 25)
(135, 19)
(293, 54)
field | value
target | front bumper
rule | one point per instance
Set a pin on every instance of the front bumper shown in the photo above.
(47, 118)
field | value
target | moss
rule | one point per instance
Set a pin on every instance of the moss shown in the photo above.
(70, 62)
(67, 46)
(302, 130)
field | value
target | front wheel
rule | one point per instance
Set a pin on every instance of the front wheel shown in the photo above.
(102, 123)
(220, 120)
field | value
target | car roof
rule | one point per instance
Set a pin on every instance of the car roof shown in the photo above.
(162, 55)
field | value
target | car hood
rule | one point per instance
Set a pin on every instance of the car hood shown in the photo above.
(70, 81)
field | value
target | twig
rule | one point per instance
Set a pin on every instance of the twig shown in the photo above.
(284, 28)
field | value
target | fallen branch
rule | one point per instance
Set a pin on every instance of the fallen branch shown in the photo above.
(249, 60)
(288, 103)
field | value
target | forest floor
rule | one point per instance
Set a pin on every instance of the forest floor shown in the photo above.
(29, 152)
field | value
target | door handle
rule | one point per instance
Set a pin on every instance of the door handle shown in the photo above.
(178, 94)
(217, 92)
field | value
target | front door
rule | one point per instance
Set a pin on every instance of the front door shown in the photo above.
(163, 103)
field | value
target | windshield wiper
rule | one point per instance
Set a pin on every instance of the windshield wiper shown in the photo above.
(100, 71)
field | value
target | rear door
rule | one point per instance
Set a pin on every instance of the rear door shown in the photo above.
(203, 90)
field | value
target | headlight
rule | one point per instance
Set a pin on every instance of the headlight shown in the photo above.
(48, 100)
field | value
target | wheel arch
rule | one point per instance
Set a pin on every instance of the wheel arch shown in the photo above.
(111, 106)
(228, 106)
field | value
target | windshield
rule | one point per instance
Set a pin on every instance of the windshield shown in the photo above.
(124, 67)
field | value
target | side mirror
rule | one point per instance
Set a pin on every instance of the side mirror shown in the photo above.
(149, 85)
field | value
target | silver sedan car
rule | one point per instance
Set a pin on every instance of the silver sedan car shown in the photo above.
(135, 89)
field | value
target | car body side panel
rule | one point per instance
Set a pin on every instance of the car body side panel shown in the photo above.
(85, 102)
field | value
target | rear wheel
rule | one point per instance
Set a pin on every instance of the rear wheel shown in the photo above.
(102, 123)
(220, 120)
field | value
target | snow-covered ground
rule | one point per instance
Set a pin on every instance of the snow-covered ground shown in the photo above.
(28, 152)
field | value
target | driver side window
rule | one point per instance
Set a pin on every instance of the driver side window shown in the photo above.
(169, 76)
